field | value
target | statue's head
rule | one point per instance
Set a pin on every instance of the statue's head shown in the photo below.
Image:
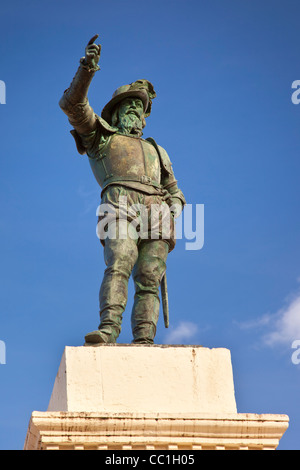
(129, 116)
(130, 106)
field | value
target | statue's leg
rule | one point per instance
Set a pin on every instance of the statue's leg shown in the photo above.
(120, 256)
(147, 274)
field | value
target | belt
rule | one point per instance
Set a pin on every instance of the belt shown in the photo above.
(144, 179)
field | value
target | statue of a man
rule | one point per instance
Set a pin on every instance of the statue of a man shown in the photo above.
(138, 170)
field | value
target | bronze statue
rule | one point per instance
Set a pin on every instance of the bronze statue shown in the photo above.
(125, 165)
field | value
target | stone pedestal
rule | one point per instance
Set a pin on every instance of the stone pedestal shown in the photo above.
(119, 397)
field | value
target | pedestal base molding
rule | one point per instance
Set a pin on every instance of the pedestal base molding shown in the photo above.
(98, 431)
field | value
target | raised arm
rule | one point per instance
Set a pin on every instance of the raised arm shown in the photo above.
(74, 101)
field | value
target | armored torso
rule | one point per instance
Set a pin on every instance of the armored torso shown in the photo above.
(128, 160)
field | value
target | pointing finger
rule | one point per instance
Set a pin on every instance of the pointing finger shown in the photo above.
(93, 39)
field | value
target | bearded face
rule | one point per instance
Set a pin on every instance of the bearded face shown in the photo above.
(129, 116)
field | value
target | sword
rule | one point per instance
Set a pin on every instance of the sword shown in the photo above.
(165, 300)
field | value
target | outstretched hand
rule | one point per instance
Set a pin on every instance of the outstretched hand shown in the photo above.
(92, 52)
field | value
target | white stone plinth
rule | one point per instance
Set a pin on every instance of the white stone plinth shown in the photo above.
(123, 397)
(144, 379)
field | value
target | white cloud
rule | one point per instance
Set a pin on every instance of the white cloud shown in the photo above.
(281, 328)
(183, 333)
(256, 323)
(285, 325)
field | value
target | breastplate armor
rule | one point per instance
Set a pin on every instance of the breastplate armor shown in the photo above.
(125, 159)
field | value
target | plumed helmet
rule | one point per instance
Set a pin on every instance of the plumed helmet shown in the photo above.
(140, 89)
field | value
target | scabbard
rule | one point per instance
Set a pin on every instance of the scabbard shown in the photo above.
(165, 300)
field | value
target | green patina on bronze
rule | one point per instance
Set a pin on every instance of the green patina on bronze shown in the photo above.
(125, 164)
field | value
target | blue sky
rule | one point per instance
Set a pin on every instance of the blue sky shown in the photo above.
(223, 71)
